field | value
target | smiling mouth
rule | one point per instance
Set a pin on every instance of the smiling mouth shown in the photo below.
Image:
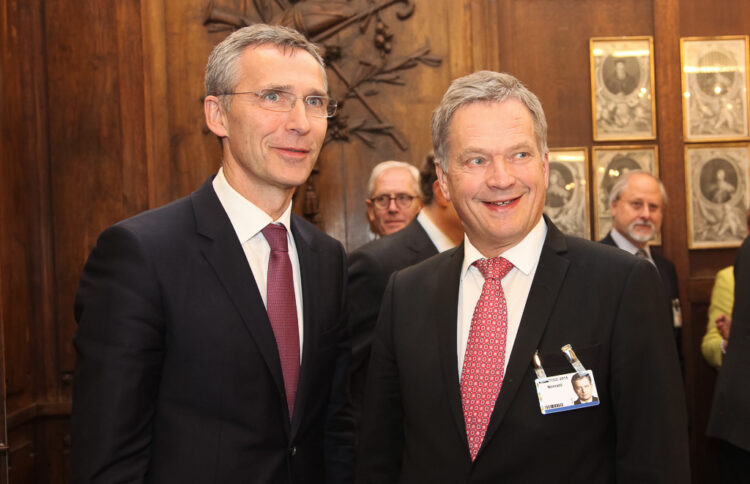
(504, 203)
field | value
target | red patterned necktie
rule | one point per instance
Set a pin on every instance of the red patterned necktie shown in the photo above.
(484, 360)
(282, 309)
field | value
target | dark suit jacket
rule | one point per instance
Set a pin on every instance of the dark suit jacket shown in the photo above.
(370, 266)
(730, 412)
(667, 274)
(604, 303)
(178, 376)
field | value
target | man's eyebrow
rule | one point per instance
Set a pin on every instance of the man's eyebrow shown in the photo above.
(289, 88)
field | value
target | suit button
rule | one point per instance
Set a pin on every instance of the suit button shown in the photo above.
(293, 451)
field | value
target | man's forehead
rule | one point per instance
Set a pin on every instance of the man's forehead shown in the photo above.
(395, 175)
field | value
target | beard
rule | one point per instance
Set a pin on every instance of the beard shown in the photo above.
(640, 236)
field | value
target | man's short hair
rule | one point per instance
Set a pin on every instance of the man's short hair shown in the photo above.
(622, 182)
(577, 377)
(489, 87)
(427, 177)
(221, 69)
(385, 165)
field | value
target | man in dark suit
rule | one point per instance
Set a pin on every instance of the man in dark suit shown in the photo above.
(637, 202)
(436, 228)
(211, 332)
(730, 413)
(451, 393)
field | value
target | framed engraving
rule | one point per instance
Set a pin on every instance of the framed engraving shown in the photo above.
(714, 88)
(622, 88)
(716, 179)
(609, 164)
(567, 201)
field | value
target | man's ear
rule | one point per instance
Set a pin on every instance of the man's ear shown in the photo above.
(438, 196)
(216, 118)
(370, 210)
(442, 179)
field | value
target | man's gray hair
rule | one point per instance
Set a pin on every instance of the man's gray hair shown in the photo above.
(622, 182)
(387, 165)
(483, 86)
(221, 69)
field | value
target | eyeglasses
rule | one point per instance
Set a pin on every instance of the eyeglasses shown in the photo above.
(403, 200)
(282, 101)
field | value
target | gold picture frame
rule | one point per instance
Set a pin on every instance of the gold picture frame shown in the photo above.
(622, 88)
(716, 192)
(567, 200)
(714, 88)
(609, 162)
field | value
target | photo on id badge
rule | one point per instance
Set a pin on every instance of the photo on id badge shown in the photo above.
(569, 391)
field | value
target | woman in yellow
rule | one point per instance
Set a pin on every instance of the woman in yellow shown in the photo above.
(719, 317)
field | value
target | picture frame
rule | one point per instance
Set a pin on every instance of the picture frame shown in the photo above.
(622, 88)
(716, 192)
(714, 87)
(567, 201)
(609, 163)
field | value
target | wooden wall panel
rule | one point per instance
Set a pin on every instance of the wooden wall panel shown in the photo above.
(102, 118)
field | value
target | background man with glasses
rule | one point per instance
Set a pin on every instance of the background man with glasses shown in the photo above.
(211, 335)
(435, 229)
(394, 197)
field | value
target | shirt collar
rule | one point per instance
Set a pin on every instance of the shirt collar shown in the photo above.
(246, 217)
(438, 238)
(524, 255)
(627, 245)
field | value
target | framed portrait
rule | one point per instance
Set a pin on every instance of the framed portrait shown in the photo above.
(567, 201)
(622, 88)
(714, 88)
(716, 178)
(609, 164)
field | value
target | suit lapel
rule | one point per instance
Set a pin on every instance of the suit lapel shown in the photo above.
(224, 253)
(418, 241)
(309, 265)
(545, 288)
(445, 312)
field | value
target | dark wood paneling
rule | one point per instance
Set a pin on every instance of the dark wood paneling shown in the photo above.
(102, 118)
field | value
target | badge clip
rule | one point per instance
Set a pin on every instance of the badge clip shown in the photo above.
(538, 366)
(573, 359)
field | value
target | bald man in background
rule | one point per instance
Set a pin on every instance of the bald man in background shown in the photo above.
(435, 229)
(394, 197)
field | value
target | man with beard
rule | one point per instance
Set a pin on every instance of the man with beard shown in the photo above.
(637, 203)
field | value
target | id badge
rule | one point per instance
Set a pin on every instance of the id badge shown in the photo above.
(569, 391)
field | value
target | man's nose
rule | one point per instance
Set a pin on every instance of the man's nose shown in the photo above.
(392, 206)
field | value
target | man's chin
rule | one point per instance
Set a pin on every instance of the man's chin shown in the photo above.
(640, 237)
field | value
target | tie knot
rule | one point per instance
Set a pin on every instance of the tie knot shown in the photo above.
(495, 268)
(642, 253)
(275, 235)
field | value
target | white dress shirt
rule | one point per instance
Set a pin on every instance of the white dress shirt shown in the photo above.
(248, 220)
(516, 286)
(438, 238)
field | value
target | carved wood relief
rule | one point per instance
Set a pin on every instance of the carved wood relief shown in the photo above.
(359, 72)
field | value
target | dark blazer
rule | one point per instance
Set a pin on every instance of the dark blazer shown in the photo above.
(730, 418)
(604, 303)
(178, 376)
(667, 275)
(370, 266)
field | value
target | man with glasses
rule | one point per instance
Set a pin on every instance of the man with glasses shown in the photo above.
(394, 198)
(435, 229)
(211, 332)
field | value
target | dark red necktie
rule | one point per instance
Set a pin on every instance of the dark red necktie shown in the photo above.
(282, 309)
(484, 360)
